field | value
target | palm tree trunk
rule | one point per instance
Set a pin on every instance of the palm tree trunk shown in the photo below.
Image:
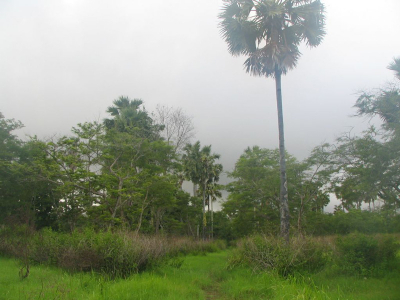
(212, 221)
(284, 203)
(194, 189)
(204, 212)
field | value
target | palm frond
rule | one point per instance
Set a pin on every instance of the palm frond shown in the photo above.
(112, 110)
(395, 66)
(270, 31)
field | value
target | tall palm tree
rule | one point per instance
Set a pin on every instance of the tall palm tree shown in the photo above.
(269, 33)
(209, 174)
(201, 169)
(213, 191)
(191, 164)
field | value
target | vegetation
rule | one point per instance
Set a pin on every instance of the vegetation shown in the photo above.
(126, 174)
(112, 254)
(269, 32)
(120, 174)
(102, 214)
(196, 277)
(355, 255)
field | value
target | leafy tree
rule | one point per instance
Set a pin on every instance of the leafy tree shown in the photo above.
(119, 173)
(71, 166)
(134, 159)
(253, 203)
(269, 33)
(114, 174)
(365, 169)
(128, 114)
(10, 150)
(24, 198)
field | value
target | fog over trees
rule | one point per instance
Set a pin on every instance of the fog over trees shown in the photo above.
(138, 160)
(128, 170)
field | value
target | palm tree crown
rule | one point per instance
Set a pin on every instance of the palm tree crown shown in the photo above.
(269, 31)
(129, 114)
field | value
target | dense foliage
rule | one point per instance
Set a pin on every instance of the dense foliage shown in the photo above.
(355, 254)
(122, 173)
(117, 254)
(127, 173)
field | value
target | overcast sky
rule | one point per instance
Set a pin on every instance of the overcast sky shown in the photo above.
(63, 62)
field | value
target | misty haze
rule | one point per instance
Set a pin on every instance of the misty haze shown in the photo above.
(262, 134)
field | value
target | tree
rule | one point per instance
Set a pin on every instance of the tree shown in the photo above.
(10, 152)
(129, 113)
(366, 168)
(114, 174)
(191, 164)
(253, 203)
(178, 130)
(269, 33)
(135, 156)
(201, 169)
(71, 165)
(120, 173)
(178, 127)
(24, 197)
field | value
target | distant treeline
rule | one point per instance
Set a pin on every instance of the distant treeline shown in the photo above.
(127, 173)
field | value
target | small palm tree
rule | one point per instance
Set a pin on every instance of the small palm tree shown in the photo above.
(269, 33)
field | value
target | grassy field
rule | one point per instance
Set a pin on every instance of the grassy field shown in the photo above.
(192, 277)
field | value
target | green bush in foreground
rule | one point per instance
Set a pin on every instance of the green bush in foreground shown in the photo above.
(267, 252)
(114, 254)
(355, 254)
(361, 254)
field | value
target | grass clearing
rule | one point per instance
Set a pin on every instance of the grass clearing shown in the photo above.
(192, 277)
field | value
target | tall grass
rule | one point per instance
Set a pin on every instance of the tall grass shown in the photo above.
(198, 277)
(272, 253)
(114, 254)
(355, 254)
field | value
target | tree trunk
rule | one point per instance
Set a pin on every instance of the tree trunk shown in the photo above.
(204, 212)
(284, 203)
(144, 205)
(299, 217)
(194, 190)
(212, 221)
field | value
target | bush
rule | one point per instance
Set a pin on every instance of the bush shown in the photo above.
(266, 252)
(360, 254)
(114, 254)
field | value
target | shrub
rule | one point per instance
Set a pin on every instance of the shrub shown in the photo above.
(114, 254)
(266, 252)
(360, 254)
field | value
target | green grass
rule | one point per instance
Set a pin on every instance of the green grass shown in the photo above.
(43, 283)
(198, 277)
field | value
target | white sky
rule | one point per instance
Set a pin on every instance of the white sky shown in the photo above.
(64, 62)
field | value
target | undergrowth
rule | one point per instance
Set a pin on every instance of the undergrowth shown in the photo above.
(116, 254)
(356, 254)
